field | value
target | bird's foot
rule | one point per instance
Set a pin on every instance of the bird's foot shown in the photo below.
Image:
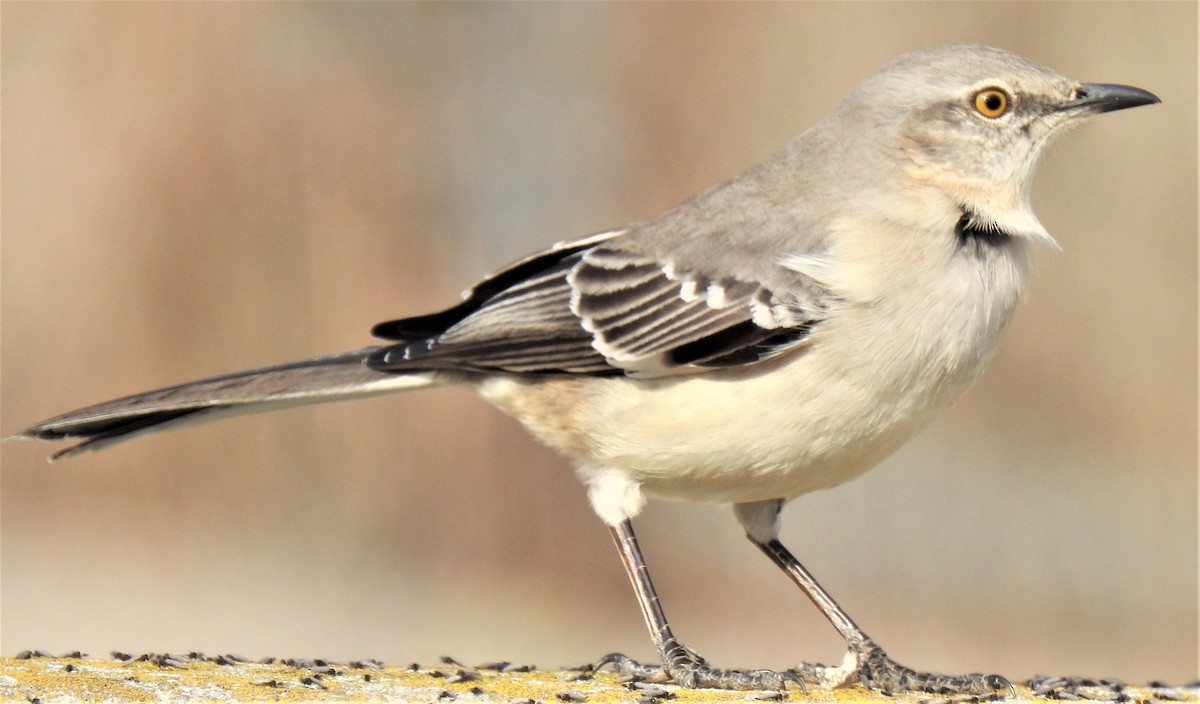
(868, 665)
(688, 669)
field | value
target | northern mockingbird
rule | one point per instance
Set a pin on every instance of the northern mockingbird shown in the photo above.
(779, 333)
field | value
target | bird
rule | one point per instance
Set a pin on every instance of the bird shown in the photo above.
(781, 332)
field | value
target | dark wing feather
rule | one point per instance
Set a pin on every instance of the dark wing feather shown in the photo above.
(513, 275)
(649, 319)
(591, 308)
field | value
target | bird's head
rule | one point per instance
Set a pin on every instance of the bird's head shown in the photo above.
(975, 120)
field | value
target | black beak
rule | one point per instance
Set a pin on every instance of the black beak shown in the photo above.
(1106, 97)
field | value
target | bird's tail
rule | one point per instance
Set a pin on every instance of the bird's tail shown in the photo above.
(317, 380)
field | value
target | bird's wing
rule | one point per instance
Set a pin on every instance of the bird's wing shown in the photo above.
(591, 307)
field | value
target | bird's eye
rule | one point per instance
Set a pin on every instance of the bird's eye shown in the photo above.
(992, 103)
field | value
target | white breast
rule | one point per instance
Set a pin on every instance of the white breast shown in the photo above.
(874, 373)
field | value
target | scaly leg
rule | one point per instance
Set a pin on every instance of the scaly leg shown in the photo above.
(865, 661)
(679, 664)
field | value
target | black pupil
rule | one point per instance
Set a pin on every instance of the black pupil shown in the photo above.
(993, 102)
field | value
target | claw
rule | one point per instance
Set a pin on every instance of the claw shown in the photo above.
(628, 667)
(693, 673)
(997, 683)
(617, 659)
(875, 670)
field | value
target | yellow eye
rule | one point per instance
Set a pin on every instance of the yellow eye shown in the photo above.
(991, 102)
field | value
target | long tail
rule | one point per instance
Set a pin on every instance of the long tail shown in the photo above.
(317, 380)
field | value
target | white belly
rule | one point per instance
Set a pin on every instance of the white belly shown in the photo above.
(869, 379)
(780, 429)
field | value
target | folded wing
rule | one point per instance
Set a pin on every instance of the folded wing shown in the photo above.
(592, 308)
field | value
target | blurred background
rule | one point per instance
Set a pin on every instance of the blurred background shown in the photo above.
(193, 189)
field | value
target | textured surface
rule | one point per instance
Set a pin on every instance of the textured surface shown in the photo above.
(194, 677)
(194, 188)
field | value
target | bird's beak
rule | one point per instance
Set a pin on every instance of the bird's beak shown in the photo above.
(1105, 97)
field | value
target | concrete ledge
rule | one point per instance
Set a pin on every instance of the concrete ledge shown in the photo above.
(196, 678)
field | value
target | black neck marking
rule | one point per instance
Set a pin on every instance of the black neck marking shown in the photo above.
(972, 233)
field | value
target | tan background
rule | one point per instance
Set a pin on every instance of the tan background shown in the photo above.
(192, 189)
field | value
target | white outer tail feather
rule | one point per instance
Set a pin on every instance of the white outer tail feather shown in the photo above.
(318, 380)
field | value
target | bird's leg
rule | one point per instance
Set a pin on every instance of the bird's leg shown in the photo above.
(865, 661)
(680, 664)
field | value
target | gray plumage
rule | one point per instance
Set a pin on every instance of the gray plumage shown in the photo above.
(779, 333)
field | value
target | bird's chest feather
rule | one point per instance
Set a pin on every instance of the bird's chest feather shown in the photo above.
(873, 374)
(877, 373)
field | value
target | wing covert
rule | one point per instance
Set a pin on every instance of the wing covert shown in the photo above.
(592, 308)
